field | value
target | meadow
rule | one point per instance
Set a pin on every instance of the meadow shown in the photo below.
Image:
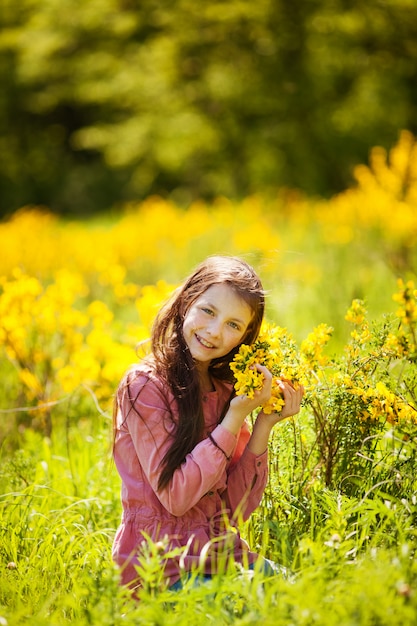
(340, 510)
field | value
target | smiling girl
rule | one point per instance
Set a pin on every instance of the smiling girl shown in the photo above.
(190, 467)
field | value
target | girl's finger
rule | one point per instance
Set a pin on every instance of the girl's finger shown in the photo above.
(262, 368)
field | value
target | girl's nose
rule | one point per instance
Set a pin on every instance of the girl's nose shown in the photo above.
(214, 328)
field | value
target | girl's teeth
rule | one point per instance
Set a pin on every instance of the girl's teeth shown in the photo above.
(205, 343)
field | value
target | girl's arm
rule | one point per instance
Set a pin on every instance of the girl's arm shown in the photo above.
(150, 427)
(247, 479)
(241, 406)
(246, 484)
(258, 443)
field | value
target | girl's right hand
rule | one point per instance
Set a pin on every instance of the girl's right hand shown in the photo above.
(242, 405)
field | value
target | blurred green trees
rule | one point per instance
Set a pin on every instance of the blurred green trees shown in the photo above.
(103, 101)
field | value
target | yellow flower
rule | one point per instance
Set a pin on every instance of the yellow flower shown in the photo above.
(31, 381)
(276, 350)
(100, 314)
(407, 298)
(356, 313)
(312, 347)
(150, 300)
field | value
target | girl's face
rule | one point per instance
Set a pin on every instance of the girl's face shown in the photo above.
(215, 323)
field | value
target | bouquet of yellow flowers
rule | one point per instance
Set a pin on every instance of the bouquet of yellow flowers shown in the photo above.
(276, 349)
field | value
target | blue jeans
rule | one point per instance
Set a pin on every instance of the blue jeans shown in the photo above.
(268, 568)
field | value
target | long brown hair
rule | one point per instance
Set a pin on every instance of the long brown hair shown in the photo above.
(173, 361)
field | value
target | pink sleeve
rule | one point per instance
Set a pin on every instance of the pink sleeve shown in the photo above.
(246, 483)
(150, 426)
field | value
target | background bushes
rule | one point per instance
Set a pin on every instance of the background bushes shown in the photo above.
(114, 100)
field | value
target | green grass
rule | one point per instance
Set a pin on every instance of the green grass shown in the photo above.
(352, 559)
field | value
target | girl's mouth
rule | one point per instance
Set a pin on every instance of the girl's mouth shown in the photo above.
(203, 342)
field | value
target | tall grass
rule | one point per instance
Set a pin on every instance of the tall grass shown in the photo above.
(352, 560)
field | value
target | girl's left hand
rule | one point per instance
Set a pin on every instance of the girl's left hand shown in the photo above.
(292, 397)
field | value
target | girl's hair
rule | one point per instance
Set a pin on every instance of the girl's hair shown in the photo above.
(173, 360)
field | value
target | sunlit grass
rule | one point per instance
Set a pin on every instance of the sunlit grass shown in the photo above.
(354, 563)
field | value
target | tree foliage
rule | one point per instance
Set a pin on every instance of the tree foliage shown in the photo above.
(110, 100)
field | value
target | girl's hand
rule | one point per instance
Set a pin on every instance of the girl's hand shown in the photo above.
(242, 405)
(261, 396)
(292, 397)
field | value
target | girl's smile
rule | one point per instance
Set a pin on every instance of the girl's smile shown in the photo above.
(204, 342)
(215, 323)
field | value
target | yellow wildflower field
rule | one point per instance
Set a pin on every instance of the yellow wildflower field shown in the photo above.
(77, 297)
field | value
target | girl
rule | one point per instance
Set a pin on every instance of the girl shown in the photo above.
(190, 467)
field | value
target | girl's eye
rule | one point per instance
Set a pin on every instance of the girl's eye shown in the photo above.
(208, 311)
(234, 325)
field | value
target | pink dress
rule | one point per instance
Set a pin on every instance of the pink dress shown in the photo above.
(207, 496)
